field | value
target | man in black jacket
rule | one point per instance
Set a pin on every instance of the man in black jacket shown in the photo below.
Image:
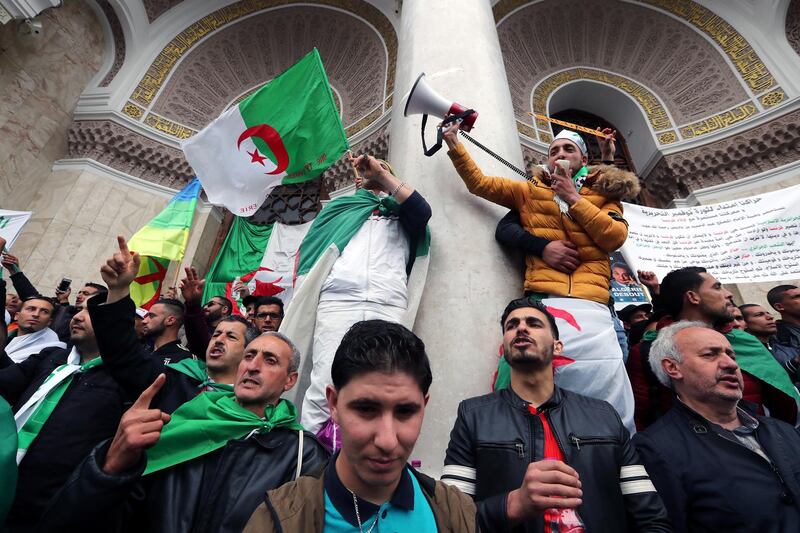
(208, 468)
(533, 454)
(717, 467)
(161, 325)
(61, 420)
(134, 367)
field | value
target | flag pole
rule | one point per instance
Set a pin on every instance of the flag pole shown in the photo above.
(177, 276)
(350, 159)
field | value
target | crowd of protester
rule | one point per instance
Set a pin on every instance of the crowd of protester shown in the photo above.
(171, 419)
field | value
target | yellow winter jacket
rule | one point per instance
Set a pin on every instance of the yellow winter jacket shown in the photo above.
(595, 224)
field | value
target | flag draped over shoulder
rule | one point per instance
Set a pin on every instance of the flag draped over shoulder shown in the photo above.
(340, 220)
(289, 131)
(160, 241)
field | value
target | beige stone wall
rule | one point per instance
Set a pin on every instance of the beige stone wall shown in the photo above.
(41, 79)
(77, 216)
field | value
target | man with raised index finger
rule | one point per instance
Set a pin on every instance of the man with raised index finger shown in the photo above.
(208, 467)
(134, 367)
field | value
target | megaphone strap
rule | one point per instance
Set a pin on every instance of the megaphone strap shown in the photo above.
(439, 135)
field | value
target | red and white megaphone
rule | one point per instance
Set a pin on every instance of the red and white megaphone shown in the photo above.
(423, 100)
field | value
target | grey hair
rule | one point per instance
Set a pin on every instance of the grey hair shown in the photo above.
(294, 362)
(664, 348)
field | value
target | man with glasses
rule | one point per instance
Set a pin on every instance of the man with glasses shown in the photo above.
(268, 313)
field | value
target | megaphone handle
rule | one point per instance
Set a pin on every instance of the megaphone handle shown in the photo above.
(488, 151)
(439, 136)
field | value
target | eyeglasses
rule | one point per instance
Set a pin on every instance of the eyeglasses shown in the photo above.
(273, 316)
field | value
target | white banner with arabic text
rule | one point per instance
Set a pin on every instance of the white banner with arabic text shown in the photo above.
(741, 241)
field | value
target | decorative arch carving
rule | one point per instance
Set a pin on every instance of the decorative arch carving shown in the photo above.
(793, 25)
(360, 59)
(690, 77)
(119, 41)
(656, 114)
(244, 55)
(753, 151)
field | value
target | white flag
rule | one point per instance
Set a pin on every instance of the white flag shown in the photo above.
(11, 224)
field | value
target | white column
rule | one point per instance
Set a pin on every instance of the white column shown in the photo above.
(470, 279)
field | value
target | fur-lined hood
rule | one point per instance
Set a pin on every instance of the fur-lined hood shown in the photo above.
(607, 180)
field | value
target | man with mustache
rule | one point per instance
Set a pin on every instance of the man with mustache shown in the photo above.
(692, 293)
(534, 454)
(206, 467)
(135, 368)
(34, 333)
(717, 467)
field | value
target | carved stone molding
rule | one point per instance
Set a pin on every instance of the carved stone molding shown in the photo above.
(532, 157)
(255, 50)
(128, 151)
(691, 78)
(119, 41)
(156, 8)
(759, 149)
(793, 25)
(339, 175)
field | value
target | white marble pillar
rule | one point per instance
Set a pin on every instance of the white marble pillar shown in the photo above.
(470, 279)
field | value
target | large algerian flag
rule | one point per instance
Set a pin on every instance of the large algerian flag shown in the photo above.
(262, 256)
(160, 241)
(288, 131)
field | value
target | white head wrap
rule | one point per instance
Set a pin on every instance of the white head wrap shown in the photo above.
(573, 137)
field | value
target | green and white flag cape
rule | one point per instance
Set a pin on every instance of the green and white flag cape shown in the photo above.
(292, 263)
(289, 131)
(327, 237)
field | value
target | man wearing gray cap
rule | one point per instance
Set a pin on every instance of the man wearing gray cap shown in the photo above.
(566, 200)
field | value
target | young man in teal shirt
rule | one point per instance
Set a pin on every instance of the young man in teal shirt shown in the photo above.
(381, 377)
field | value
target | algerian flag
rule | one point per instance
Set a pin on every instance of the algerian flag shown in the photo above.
(263, 257)
(288, 131)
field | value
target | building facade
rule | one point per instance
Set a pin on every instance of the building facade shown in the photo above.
(705, 96)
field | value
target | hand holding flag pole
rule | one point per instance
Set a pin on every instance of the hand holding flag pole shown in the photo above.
(356, 175)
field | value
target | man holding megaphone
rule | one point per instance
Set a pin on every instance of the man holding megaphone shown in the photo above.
(566, 200)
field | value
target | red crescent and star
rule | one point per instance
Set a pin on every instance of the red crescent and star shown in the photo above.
(272, 138)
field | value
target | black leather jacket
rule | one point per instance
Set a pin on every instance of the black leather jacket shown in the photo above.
(214, 493)
(713, 482)
(495, 438)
